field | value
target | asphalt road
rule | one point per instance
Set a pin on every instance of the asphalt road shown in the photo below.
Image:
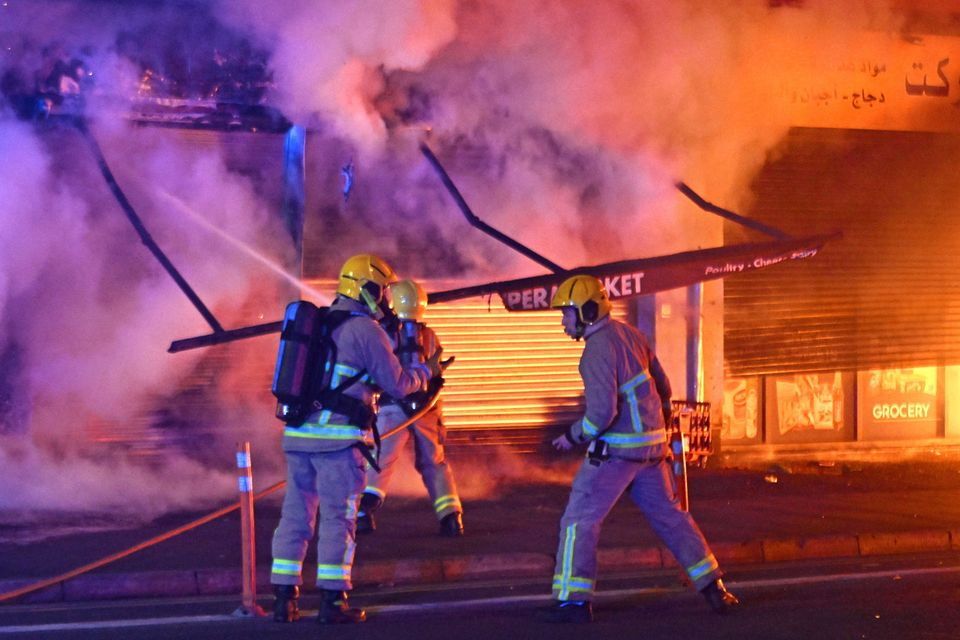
(900, 597)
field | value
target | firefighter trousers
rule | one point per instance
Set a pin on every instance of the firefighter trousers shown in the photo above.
(331, 482)
(429, 459)
(596, 488)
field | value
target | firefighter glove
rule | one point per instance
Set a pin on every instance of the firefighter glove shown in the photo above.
(436, 365)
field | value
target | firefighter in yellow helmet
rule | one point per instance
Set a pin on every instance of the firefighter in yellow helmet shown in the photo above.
(326, 452)
(413, 342)
(627, 398)
(364, 278)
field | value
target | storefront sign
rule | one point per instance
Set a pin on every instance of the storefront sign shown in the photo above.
(898, 404)
(906, 410)
(632, 278)
(620, 285)
(878, 81)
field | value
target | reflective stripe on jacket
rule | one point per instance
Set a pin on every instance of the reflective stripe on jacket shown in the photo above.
(625, 388)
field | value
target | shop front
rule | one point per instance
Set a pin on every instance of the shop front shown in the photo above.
(859, 347)
(885, 407)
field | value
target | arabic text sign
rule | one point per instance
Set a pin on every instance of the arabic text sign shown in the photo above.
(625, 280)
(878, 81)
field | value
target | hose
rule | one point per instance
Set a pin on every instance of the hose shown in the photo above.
(42, 584)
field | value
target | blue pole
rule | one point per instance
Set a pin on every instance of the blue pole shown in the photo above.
(694, 293)
(294, 185)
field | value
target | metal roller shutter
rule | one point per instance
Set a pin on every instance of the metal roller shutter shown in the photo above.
(515, 373)
(886, 294)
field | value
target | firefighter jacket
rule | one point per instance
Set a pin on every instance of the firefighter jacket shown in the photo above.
(626, 390)
(362, 345)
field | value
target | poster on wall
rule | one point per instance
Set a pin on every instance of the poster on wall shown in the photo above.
(810, 407)
(741, 410)
(897, 404)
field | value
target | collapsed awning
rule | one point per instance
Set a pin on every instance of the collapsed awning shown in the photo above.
(644, 276)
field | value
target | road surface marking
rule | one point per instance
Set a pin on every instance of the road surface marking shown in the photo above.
(485, 602)
(115, 624)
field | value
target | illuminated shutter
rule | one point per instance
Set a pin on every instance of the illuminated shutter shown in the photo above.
(514, 372)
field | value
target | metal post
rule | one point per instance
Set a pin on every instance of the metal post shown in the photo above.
(248, 605)
(694, 342)
(680, 445)
(294, 187)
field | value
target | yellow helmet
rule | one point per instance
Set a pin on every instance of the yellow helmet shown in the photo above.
(409, 300)
(585, 294)
(363, 278)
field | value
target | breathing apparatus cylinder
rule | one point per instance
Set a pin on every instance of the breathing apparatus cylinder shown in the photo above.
(410, 347)
(409, 301)
(293, 375)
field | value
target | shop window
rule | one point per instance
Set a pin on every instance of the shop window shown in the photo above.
(899, 404)
(809, 408)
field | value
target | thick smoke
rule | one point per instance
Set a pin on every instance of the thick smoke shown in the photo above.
(95, 415)
(563, 123)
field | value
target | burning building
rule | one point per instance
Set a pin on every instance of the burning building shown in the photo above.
(565, 127)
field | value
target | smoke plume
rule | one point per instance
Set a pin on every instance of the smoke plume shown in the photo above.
(564, 124)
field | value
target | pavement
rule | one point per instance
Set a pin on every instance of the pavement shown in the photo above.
(752, 511)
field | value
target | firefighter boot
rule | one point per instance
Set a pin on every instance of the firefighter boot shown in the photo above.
(285, 603)
(369, 503)
(719, 599)
(451, 526)
(568, 611)
(366, 523)
(335, 610)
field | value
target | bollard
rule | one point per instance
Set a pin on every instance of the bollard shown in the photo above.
(248, 606)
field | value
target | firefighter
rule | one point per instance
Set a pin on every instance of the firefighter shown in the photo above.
(627, 395)
(412, 340)
(326, 453)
